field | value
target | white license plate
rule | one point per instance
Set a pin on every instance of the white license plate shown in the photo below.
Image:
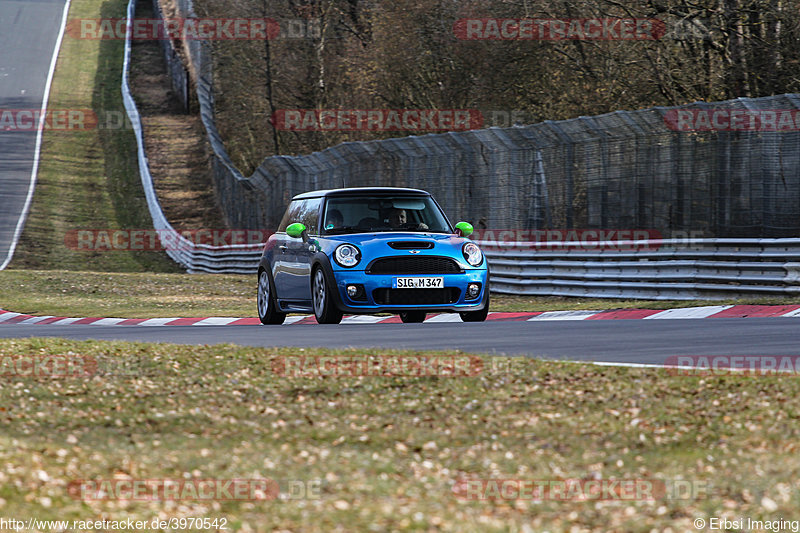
(418, 283)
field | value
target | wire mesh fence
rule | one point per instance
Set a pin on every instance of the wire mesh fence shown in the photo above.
(725, 169)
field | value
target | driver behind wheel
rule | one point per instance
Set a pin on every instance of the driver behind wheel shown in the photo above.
(398, 219)
(334, 219)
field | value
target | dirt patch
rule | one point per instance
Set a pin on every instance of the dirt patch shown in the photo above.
(174, 141)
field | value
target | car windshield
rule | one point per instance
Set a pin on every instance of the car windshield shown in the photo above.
(373, 214)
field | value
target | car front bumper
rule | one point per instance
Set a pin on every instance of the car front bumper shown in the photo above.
(374, 282)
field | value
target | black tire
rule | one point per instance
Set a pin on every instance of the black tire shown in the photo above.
(477, 316)
(413, 317)
(325, 309)
(267, 308)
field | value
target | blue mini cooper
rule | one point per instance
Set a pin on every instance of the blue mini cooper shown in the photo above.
(371, 250)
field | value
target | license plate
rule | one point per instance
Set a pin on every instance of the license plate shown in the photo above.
(418, 283)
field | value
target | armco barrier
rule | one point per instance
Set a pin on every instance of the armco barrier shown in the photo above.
(659, 270)
(233, 259)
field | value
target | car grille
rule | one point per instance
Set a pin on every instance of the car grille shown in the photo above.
(414, 265)
(448, 295)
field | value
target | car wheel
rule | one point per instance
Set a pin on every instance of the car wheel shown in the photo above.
(325, 310)
(267, 309)
(413, 317)
(477, 316)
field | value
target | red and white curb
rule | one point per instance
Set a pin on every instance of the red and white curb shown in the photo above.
(708, 311)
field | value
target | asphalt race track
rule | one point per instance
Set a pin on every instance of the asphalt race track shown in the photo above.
(24, 66)
(618, 341)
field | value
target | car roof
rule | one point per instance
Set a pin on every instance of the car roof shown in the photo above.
(362, 191)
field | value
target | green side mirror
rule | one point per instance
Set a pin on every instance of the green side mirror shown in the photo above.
(464, 228)
(296, 230)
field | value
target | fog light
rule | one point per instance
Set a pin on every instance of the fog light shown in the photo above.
(473, 290)
(356, 292)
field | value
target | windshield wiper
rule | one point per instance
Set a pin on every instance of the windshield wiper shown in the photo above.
(410, 230)
(380, 229)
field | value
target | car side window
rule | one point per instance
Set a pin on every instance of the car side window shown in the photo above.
(291, 215)
(305, 212)
(309, 215)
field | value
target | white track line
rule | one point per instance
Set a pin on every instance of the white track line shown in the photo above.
(293, 319)
(108, 322)
(215, 321)
(614, 363)
(362, 319)
(688, 369)
(156, 322)
(630, 365)
(444, 317)
(563, 315)
(796, 312)
(689, 312)
(40, 131)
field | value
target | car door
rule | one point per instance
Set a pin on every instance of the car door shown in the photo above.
(302, 251)
(284, 258)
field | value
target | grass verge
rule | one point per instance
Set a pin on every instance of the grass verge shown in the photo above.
(387, 452)
(88, 178)
(155, 295)
(127, 295)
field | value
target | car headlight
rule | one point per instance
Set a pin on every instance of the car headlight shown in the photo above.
(472, 254)
(347, 255)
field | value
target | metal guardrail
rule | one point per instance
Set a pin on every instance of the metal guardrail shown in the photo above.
(652, 269)
(232, 259)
